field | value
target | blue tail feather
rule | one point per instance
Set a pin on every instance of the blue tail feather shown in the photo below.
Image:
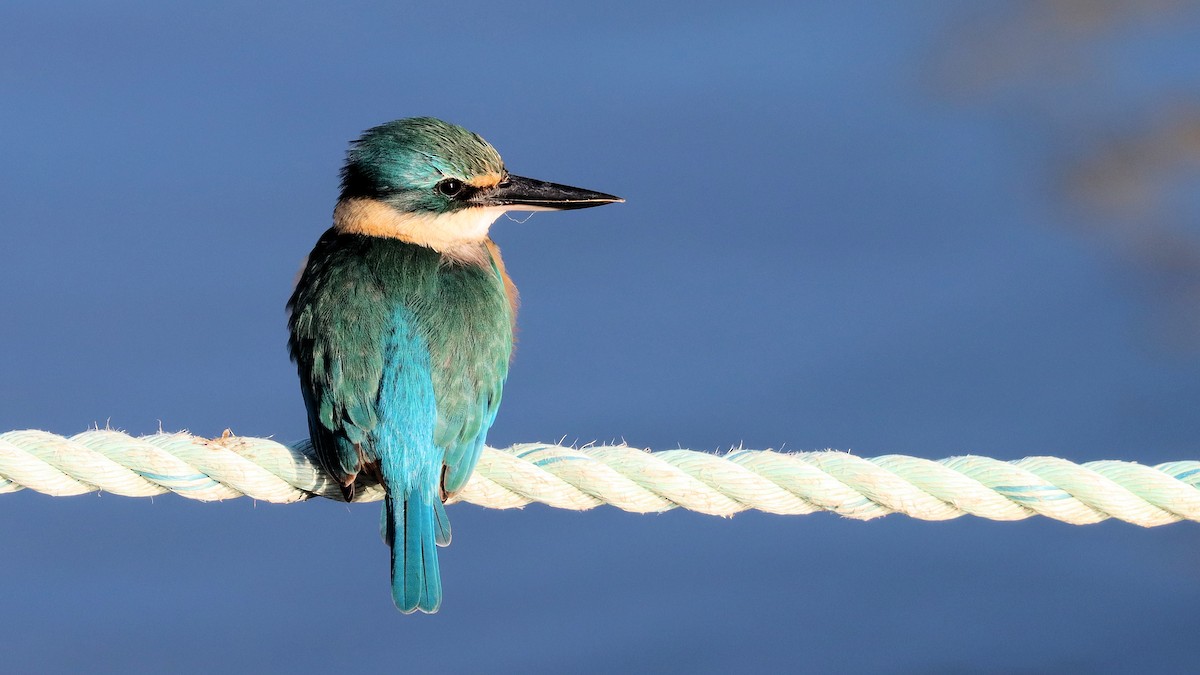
(442, 521)
(416, 581)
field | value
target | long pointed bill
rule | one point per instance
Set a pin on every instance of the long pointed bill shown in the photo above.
(526, 194)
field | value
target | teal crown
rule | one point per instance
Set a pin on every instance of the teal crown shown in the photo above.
(401, 162)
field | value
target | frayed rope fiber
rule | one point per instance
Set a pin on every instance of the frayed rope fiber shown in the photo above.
(627, 478)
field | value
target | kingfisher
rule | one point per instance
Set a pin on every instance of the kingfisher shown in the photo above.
(401, 327)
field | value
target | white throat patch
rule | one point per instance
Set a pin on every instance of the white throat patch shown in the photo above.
(456, 235)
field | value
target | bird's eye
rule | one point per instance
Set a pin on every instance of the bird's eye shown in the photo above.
(450, 186)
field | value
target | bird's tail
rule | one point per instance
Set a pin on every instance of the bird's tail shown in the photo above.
(413, 529)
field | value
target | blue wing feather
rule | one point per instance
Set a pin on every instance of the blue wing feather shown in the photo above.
(337, 329)
(467, 416)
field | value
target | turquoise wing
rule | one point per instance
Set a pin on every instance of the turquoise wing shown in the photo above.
(463, 422)
(469, 392)
(339, 324)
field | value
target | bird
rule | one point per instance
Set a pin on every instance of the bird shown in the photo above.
(402, 326)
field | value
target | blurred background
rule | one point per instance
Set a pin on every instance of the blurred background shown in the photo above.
(924, 228)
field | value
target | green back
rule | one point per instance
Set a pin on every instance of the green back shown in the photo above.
(341, 321)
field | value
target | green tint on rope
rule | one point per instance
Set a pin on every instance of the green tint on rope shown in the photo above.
(627, 478)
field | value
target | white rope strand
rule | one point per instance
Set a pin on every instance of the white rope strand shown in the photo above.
(627, 478)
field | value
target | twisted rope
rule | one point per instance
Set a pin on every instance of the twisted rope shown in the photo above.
(627, 478)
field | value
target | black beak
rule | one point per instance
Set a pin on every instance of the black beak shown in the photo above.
(527, 194)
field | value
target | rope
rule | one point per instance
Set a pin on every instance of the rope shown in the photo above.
(627, 478)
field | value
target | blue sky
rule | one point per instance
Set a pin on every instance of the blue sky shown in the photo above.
(921, 230)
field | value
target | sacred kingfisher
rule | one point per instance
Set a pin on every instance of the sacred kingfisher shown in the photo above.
(402, 327)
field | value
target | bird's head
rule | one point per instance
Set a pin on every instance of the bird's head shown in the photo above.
(438, 185)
